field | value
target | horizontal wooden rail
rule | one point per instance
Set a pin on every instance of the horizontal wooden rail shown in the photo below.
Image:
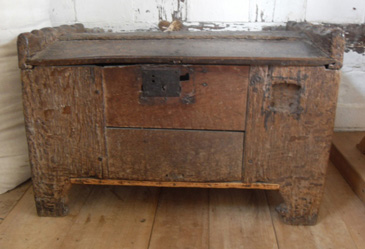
(237, 185)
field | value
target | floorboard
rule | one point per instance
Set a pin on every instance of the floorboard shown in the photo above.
(349, 160)
(181, 220)
(9, 199)
(114, 217)
(159, 218)
(347, 205)
(23, 229)
(336, 227)
(240, 219)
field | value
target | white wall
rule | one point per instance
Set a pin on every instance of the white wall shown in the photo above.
(15, 17)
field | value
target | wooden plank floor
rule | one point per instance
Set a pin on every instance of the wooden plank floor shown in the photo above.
(141, 217)
(349, 160)
(11, 198)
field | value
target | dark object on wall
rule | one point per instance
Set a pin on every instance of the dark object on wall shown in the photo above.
(248, 110)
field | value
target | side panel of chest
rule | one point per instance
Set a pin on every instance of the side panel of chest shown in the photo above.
(290, 119)
(63, 108)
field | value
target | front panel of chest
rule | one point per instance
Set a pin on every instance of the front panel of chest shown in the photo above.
(180, 123)
(175, 123)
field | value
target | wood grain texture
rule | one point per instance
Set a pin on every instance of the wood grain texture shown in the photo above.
(213, 98)
(9, 199)
(349, 208)
(349, 160)
(23, 229)
(114, 218)
(240, 219)
(32, 42)
(288, 139)
(328, 38)
(235, 185)
(157, 35)
(182, 51)
(340, 223)
(63, 110)
(182, 220)
(102, 218)
(174, 155)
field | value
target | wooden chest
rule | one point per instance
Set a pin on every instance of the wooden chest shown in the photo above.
(201, 109)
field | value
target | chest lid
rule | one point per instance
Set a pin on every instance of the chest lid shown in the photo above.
(73, 45)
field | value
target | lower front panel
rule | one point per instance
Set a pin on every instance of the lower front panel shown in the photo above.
(174, 155)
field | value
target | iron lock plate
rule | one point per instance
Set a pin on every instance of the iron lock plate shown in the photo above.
(161, 82)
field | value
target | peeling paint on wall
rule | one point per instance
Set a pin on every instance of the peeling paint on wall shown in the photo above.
(355, 38)
(171, 10)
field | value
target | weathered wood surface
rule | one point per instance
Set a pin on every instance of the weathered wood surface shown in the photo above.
(289, 126)
(213, 98)
(32, 42)
(157, 35)
(181, 220)
(114, 218)
(65, 130)
(174, 155)
(182, 51)
(9, 199)
(341, 219)
(23, 229)
(329, 39)
(240, 219)
(349, 161)
(229, 185)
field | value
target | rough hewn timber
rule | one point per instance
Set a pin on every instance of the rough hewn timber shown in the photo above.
(289, 127)
(174, 155)
(157, 35)
(32, 42)
(65, 130)
(183, 51)
(329, 39)
(206, 101)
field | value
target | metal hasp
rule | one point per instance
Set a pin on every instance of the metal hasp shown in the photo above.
(161, 82)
